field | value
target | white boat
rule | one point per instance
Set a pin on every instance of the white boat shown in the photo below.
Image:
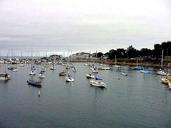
(161, 72)
(169, 85)
(52, 68)
(32, 73)
(90, 76)
(124, 73)
(104, 67)
(12, 68)
(166, 80)
(93, 70)
(41, 75)
(97, 83)
(15, 70)
(69, 78)
(4, 76)
(145, 71)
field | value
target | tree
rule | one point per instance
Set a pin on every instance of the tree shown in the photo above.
(99, 54)
(112, 54)
(132, 52)
(145, 52)
(157, 50)
(121, 53)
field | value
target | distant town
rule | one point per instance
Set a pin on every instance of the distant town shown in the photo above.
(121, 56)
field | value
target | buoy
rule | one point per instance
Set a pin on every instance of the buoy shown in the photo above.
(39, 93)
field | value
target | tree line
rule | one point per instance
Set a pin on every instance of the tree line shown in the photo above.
(132, 52)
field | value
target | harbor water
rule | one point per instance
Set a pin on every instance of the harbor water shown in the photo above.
(134, 101)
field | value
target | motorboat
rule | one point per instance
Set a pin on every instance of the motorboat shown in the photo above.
(4, 76)
(97, 83)
(69, 78)
(34, 83)
(90, 76)
(63, 73)
(161, 72)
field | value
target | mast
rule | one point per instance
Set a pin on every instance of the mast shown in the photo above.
(162, 59)
(115, 60)
(137, 61)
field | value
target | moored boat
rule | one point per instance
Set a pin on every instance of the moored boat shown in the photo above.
(166, 80)
(161, 72)
(63, 73)
(90, 76)
(4, 76)
(32, 73)
(34, 83)
(97, 83)
(69, 78)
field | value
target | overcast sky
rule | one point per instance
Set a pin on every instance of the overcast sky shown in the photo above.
(83, 25)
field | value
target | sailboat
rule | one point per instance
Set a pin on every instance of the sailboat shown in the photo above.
(34, 83)
(166, 80)
(97, 82)
(116, 66)
(33, 70)
(69, 78)
(53, 66)
(161, 71)
(41, 74)
(4, 75)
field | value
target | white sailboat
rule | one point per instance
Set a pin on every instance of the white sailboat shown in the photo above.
(97, 82)
(33, 70)
(69, 78)
(161, 71)
(41, 74)
(53, 66)
(116, 66)
(166, 80)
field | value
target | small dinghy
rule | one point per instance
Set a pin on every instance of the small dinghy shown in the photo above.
(69, 78)
(34, 83)
(124, 73)
(41, 74)
(90, 76)
(32, 73)
(63, 73)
